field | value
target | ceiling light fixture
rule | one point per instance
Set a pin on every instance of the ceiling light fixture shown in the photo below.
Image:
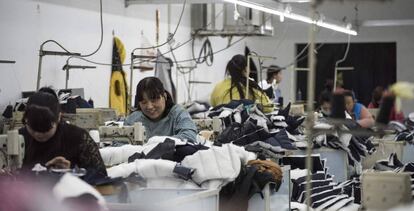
(293, 16)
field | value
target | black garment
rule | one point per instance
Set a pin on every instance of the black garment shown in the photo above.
(71, 142)
(281, 139)
(73, 103)
(269, 92)
(164, 150)
(299, 162)
(243, 134)
(182, 151)
(235, 195)
(167, 150)
(8, 112)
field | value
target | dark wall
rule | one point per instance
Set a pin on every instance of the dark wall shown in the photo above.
(374, 65)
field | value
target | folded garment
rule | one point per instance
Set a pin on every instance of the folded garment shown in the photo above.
(322, 204)
(217, 163)
(298, 161)
(316, 176)
(302, 196)
(340, 204)
(324, 194)
(281, 139)
(197, 107)
(71, 186)
(147, 168)
(116, 155)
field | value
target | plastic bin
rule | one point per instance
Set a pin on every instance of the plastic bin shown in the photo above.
(336, 161)
(408, 154)
(384, 149)
(276, 201)
(149, 199)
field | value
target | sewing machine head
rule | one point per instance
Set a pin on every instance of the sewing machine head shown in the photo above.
(90, 118)
(132, 134)
(12, 148)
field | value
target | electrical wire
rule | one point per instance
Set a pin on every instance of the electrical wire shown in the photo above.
(148, 60)
(100, 43)
(206, 53)
(142, 61)
(87, 55)
(345, 54)
(170, 37)
(340, 61)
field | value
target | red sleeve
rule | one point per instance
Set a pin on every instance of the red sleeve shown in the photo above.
(396, 116)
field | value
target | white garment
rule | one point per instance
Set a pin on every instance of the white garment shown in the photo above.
(217, 166)
(116, 155)
(147, 168)
(264, 85)
(71, 186)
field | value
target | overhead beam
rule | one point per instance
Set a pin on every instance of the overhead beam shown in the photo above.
(132, 2)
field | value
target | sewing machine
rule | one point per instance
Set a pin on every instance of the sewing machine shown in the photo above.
(384, 190)
(13, 123)
(90, 118)
(213, 124)
(12, 150)
(132, 134)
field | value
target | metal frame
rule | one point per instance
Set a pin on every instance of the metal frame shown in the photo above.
(43, 53)
(7, 62)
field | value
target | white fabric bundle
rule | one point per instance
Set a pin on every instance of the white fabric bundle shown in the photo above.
(147, 168)
(116, 155)
(217, 166)
(71, 186)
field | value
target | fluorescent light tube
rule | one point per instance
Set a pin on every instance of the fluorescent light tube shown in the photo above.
(293, 16)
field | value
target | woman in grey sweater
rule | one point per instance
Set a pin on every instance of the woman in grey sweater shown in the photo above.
(159, 114)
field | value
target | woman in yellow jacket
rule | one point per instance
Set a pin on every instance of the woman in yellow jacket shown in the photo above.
(234, 88)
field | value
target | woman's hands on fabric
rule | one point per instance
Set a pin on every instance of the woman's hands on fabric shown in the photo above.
(59, 163)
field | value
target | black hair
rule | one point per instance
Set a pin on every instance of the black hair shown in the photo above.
(49, 90)
(325, 96)
(153, 88)
(234, 68)
(329, 84)
(271, 70)
(377, 95)
(348, 93)
(42, 111)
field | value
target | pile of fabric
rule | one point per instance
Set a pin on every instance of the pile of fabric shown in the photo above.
(325, 194)
(245, 125)
(356, 146)
(167, 162)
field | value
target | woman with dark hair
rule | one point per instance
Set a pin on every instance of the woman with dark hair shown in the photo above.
(234, 88)
(376, 97)
(358, 112)
(52, 142)
(271, 85)
(159, 114)
(325, 103)
(376, 103)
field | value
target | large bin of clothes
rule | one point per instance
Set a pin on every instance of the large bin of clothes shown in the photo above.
(272, 201)
(148, 199)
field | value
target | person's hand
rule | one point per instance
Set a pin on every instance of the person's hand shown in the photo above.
(59, 162)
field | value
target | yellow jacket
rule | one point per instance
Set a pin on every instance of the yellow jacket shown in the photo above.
(221, 95)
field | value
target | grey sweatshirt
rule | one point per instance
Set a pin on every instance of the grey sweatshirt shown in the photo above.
(177, 123)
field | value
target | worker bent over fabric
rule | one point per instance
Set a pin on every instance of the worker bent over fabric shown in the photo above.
(54, 143)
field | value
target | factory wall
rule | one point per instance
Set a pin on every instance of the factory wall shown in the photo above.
(25, 24)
